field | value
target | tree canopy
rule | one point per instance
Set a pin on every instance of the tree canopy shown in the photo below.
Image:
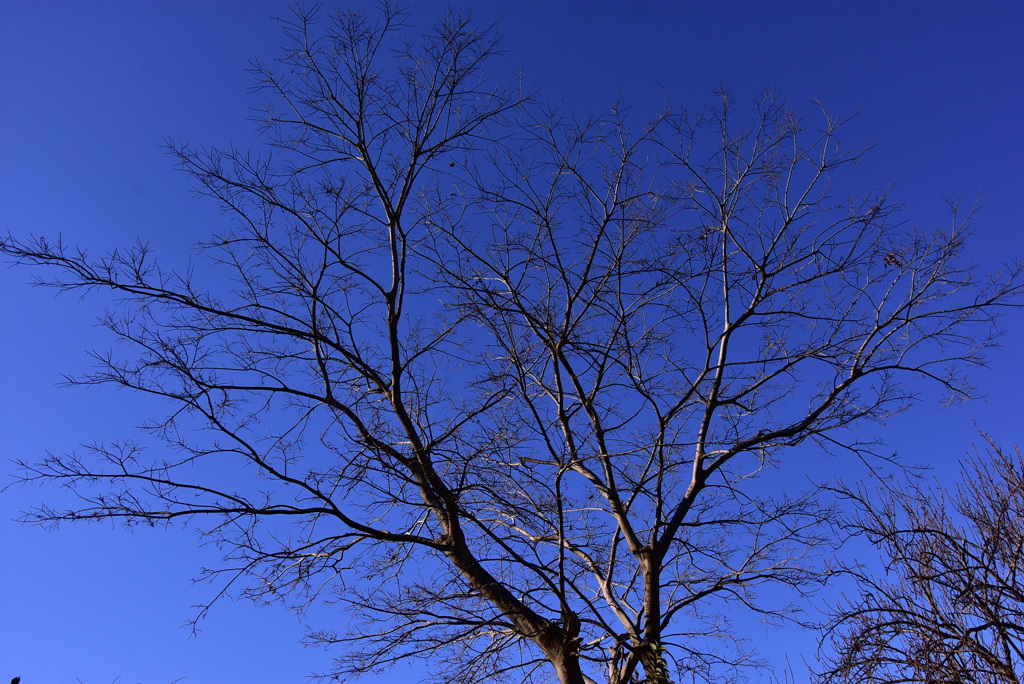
(949, 606)
(500, 378)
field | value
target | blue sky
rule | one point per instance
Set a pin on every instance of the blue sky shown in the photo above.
(90, 89)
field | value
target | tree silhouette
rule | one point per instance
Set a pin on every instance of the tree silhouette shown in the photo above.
(500, 380)
(950, 606)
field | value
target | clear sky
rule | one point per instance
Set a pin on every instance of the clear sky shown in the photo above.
(90, 88)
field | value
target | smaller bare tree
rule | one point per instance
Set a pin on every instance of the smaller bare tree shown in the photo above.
(950, 607)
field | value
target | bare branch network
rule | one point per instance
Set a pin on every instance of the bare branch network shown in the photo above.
(499, 380)
(950, 607)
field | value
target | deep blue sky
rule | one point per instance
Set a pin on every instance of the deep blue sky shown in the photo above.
(89, 89)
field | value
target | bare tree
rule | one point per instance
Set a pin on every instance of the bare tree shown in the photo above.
(950, 605)
(501, 381)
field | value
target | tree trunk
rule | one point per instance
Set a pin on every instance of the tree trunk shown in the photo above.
(651, 656)
(655, 665)
(567, 667)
